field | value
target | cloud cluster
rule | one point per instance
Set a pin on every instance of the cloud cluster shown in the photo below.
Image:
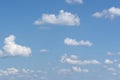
(108, 13)
(26, 74)
(9, 71)
(70, 60)
(63, 18)
(112, 66)
(10, 48)
(73, 69)
(74, 1)
(73, 42)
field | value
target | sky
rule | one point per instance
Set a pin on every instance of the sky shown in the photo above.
(59, 40)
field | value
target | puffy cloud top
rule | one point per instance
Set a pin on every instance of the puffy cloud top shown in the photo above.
(12, 49)
(63, 18)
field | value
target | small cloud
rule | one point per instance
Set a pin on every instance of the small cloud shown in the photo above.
(44, 51)
(64, 71)
(74, 56)
(110, 53)
(78, 69)
(108, 13)
(73, 42)
(63, 18)
(111, 69)
(107, 61)
(74, 1)
(113, 54)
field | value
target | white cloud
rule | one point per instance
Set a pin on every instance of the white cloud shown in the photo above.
(118, 65)
(113, 54)
(111, 69)
(74, 1)
(74, 56)
(27, 71)
(108, 13)
(44, 51)
(9, 71)
(43, 78)
(64, 71)
(107, 61)
(85, 70)
(110, 53)
(30, 71)
(69, 60)
(27, 74)
(78, 69)
(114, 74)
(73, 42)
(63, 18)
(10, 48)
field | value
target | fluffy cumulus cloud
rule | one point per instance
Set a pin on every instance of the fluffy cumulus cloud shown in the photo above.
(74, 1)
(77, 61)
(63, 18)
(73, 42)
(11, 48)
(108, 13)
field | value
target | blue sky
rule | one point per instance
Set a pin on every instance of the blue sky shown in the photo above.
(59, 40)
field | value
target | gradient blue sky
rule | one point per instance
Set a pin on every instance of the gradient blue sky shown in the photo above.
(46, 41)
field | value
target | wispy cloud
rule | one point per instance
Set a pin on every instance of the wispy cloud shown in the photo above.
(44, 51)
(63, 18)
(70, 60)
(78, 69)
(112, 53)
(23, 73)
(74, 1)
(9, 71)
(64, 71)
(73, 42)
